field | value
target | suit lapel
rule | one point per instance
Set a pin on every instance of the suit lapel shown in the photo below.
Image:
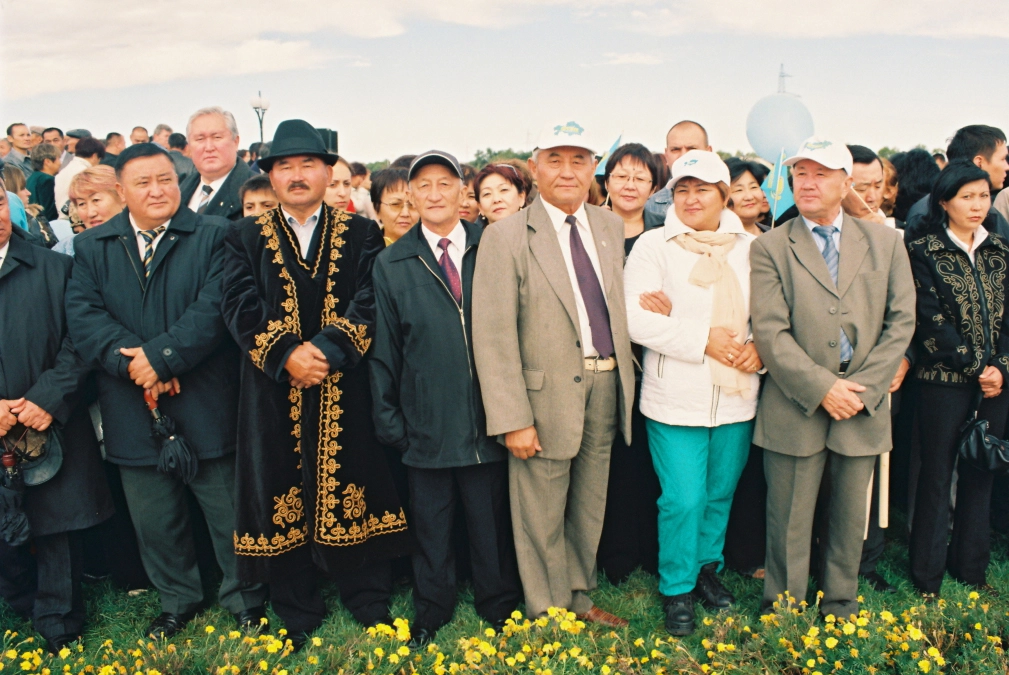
(605, 248)
(809, 255)
(853, 250)
(547, 251)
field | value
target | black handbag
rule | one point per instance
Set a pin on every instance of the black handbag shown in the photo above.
(980, 449)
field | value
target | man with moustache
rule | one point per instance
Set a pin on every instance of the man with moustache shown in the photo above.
(314, 491)
(213, 189)
(144, 308)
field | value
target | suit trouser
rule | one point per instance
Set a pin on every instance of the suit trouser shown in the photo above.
(297, 599)
(59, 603)
(160, 514)
(941, 411)
(793, 484)
(482, 493)
(18, 577)
(558, 505)
(698, 468)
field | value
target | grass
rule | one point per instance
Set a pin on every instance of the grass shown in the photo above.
(963, 633)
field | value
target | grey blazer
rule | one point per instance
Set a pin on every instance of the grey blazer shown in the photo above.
(797, 314)
(526, 336)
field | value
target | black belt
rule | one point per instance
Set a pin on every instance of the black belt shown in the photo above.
(844, 367)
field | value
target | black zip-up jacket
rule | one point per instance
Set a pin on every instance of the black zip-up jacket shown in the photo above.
(961, 309)
(426, 395)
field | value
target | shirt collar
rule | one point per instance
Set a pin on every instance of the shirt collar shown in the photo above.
(136, 230)
(729, 223)
(311, 221)
(557, 216)
(837, 221)
(3, 251)
(457, 236)
(215, 185)
(980, 234)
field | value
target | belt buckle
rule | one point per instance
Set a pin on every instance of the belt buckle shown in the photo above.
(595, 363)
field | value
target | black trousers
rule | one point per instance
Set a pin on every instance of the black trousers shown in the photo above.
(297, 598)
(746, 535)
(941, 411)
(481, 492)
(18, 577)
(630, 537)
(46, 586)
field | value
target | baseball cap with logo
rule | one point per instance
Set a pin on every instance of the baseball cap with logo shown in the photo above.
(569, 133)
(701, 164)
(828, 153)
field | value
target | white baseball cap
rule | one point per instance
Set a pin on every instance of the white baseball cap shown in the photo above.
(701, 164)
(569, 133)
(828, 153)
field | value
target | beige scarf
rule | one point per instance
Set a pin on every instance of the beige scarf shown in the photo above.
(728, 309)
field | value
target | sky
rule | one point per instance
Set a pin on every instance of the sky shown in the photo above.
(403, 76)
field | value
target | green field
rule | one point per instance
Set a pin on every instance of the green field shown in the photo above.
(962, 633)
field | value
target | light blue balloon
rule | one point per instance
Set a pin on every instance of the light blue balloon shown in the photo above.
(776, 122)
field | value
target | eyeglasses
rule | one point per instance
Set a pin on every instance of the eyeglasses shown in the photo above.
(398, 206)
(622, 179)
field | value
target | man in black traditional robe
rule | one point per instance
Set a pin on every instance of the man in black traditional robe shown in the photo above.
(41, 382)
(314, 491)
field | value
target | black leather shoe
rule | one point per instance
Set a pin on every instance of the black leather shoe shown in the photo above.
(168, 625)
(679, 614)
(56, 644)
(250, 620)
(498, 625)
(419, 637)
(879, 582)
(298, 641)
(710, 591)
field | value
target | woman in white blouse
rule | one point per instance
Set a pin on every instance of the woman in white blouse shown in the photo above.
(688, 304)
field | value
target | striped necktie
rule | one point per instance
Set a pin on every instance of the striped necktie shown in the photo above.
(149, 236)
(205, 199)
(831, 257)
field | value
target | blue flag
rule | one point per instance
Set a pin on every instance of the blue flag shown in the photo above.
(601, 168)
(779, 195)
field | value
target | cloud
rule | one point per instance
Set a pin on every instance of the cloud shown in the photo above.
(632, 59)
(136, 42)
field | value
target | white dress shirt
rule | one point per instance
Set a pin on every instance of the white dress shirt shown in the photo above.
(3, 252)
(820, 243)
(455, 249)
(588, 241)
(980, 234)
(194, 201)
(304, 231)
(141, 242)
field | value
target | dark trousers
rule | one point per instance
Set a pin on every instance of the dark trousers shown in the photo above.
(941, 411)
(18, 577)
(159, 508)
(59, 604)
(110, 548)
(630, 537)
(297, 598)
(746, 535)
(481, 491)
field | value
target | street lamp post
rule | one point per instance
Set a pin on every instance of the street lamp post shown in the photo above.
(260, 105)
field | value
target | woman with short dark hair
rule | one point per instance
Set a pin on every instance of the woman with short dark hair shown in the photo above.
(962, 355)
(390, 195)
(746, 197)
(501, 189)
(631, 177)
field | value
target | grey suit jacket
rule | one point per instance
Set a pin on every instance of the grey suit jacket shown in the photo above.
(526, 335)
(797, 314)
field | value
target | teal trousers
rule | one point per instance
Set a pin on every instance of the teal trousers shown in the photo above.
(698, 468)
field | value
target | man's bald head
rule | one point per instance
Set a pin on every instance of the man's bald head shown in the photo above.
(683, 137)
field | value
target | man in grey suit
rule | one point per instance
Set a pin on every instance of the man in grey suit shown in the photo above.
(833, 310)
(556, 372)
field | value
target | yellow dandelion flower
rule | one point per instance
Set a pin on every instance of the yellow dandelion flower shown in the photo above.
(393, 658)
(854, 653)
(605, 670)
(925, 665)
(848, 629)
(64, 653)
(209, 629)
(830, 642)
(637, 643)
(973, 595)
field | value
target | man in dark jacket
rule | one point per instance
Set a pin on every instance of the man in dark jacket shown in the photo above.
(144, 307)
(212, 189)
(41, 377)
(428, 405)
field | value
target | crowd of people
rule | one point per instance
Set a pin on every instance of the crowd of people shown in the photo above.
(273, 367)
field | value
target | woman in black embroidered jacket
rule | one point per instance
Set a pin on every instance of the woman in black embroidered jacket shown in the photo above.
(960, 275)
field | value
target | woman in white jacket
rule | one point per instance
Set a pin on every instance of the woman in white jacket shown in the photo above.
(688, 304)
